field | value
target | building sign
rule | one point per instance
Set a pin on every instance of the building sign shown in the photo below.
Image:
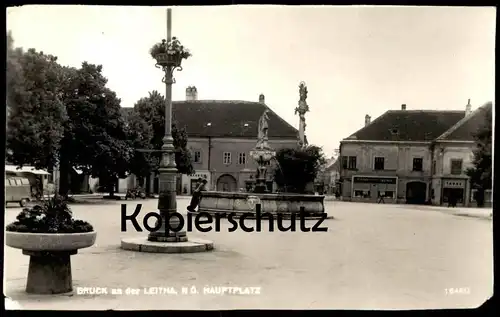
(375, 180)
(199, 176)
(454, 184)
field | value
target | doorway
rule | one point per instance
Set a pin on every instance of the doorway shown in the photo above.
(416, 192)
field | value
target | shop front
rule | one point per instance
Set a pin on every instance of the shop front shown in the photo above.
(454, 188)
(190, 182)
(370, 188)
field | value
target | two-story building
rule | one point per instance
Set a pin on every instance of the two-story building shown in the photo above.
(221, 134)
(390, 156)
(410, 156)
(452, 154)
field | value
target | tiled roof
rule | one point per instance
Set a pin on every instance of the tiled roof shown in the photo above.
(408, 125)
(465, 129)
(231, 118)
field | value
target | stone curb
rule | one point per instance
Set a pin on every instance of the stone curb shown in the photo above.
(141, 244)
(237, 215)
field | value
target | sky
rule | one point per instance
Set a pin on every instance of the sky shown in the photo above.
(355, 60)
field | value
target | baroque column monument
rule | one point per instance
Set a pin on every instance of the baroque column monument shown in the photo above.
(301, 110)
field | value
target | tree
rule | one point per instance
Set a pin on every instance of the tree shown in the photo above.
(35, 111)
(95, 137)
(480, 173)
(297, 167)
(148, 122)
(63, 115)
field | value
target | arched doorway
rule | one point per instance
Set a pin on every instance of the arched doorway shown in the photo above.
(415, 192)
(226, 183)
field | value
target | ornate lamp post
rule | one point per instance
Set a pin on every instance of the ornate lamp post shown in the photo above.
(168, 55)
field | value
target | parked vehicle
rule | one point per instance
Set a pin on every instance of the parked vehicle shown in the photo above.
(17, 190)
(134, 193)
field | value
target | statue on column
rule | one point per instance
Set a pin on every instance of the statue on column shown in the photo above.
(301, 110)
(263, 127)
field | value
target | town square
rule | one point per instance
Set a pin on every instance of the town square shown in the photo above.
(174, 172)
(372, 257)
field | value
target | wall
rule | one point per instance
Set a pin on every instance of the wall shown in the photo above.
(240, 172)
(445, 152)
(398, 161)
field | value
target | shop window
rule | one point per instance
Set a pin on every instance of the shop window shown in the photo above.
(379, 163)
(455, 166)
(386, 194)
(418, 164)
(362, 194)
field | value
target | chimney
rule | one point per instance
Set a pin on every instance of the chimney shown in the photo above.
(367, 120)
(194, 93)
(191, 93)
(262, 99)
(468, 108)
(403, 106)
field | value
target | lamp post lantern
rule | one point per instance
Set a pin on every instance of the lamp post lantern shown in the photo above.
(168, 55)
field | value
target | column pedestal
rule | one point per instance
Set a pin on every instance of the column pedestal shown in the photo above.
(49, 272)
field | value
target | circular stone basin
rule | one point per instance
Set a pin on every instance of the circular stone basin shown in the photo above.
(49, 241)
(142, 244)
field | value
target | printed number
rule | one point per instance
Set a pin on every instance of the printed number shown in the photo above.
(457, 290)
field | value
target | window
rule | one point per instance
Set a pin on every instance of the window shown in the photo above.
(352, 163)
(455, 166)
(227, 158)
(344, 162)
(418, 164)
(379, 163)
(197, 156)
(242, 158)
(433, 168)
(389, 194)
(362, 194)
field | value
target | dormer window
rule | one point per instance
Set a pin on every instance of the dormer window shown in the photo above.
(394, 131)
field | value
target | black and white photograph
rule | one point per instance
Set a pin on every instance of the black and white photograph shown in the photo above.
(249, 157)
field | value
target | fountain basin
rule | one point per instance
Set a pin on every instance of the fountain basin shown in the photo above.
(286, 204)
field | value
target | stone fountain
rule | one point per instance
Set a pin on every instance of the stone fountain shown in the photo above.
(222, 204)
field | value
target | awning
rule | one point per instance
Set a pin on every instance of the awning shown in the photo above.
(25, 169)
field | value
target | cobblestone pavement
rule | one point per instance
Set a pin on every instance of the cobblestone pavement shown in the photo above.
(372, 257)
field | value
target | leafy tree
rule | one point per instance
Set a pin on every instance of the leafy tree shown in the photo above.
(35, 111)
(148, 122)
(297, 167)
(95, 137)
(142, 163)
(480, 173)
(63, 115)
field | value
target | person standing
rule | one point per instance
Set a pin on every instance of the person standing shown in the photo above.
(195, 200)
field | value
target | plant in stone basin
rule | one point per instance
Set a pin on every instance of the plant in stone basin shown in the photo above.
(51, 216)
(49, 234)
(173, 48)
